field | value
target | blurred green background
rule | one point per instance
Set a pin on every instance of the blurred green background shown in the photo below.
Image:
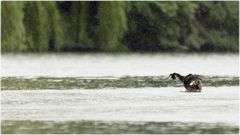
(125, 26)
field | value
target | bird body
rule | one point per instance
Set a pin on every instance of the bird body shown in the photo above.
(191, 82)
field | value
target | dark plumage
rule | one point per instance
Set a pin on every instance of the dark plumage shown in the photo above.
(191, 82)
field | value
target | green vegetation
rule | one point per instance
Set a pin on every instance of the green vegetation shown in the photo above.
(16, 83)
(12, 28)
(111, 26)
(43, 31)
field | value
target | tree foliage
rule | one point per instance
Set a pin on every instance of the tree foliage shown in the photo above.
(112, 25)
(120, 26)
(12, 29)
(42, 25)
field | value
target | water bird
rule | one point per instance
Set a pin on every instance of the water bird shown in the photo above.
(192, 82)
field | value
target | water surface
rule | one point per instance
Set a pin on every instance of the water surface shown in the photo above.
(100, 93)
(140, 104)
(77, 65)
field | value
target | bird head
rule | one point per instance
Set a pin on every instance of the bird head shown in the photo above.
(173, 76)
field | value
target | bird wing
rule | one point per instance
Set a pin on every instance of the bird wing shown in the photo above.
(192, 83)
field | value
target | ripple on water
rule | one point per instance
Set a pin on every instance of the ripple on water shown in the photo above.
(214, 104)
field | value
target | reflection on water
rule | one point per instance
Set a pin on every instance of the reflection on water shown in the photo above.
(100, 93)
(21, 83)
(101, 127)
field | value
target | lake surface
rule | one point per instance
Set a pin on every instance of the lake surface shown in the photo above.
(124, 93)
(99, 65)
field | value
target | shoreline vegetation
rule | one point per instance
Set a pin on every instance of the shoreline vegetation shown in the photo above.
(120, 26)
